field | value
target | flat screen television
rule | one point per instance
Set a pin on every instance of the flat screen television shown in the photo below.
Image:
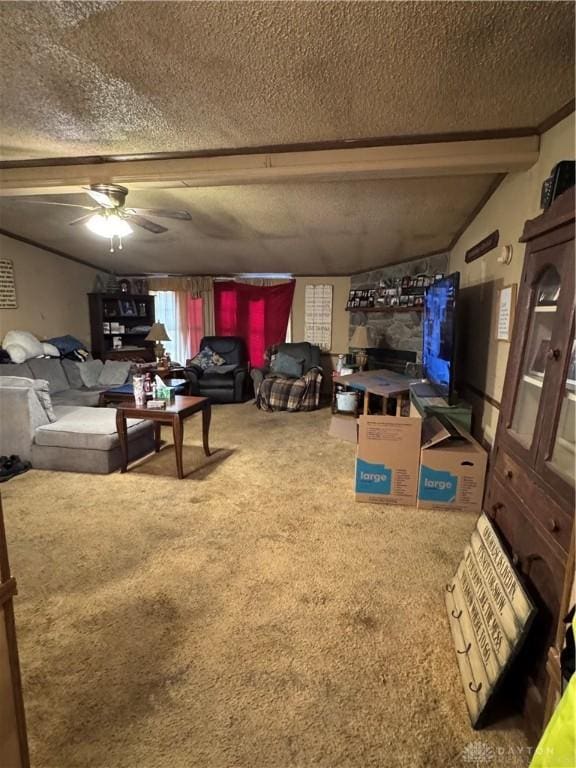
(439, 335)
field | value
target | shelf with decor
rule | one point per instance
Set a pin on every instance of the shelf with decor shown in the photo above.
(530, 490)
(384, 309)
(133, 313)
(397, 294)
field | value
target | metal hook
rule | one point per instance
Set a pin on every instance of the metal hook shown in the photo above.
(456, 616)
(475, 687)
(450, 588)
(466, 650)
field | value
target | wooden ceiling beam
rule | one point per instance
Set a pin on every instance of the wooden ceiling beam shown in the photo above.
(480, 156)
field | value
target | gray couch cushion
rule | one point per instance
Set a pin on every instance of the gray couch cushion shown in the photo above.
(83, 396)
(90, 372)
(52, 371)
(114, 373)
(16, 369)
(84, 428)
(72, 373)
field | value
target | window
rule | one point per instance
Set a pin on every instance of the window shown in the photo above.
(182, 317)
(165, 308)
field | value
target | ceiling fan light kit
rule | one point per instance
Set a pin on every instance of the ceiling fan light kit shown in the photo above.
(109, 224)
(112, 219)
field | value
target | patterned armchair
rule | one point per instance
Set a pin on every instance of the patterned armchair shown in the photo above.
(280, 392)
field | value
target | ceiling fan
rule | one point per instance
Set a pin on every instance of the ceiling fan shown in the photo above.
(111, 218)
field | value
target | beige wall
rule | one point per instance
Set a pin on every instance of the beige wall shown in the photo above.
(340, 289)
(51, 293)
(516, 200)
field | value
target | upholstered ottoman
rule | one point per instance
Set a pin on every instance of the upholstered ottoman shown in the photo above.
(85, 440)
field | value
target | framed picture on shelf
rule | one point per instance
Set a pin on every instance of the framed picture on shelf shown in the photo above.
(127, 307)
(110, 309)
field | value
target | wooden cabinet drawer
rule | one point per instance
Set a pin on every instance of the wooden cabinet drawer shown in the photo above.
(535, 556)
(541, 565)
(555, 521)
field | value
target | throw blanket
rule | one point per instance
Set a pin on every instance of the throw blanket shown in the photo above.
(278, 393)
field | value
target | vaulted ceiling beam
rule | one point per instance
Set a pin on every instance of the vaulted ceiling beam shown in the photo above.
(481, 156)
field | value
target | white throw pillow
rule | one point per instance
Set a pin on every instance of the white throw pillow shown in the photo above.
(17, 353)
(90, 372)
(26, 340)
(50, 349)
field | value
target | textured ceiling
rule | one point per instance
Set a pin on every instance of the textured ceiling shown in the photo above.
(81, 78)
(305, 228)
(105, 78)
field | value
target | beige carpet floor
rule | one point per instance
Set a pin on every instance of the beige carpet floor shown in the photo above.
(250, 616)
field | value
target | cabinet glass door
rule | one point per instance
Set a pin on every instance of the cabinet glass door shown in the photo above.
(562, 459)
(538, 348)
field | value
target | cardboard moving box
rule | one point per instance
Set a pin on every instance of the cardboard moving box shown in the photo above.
(452, 469)
(387, 459)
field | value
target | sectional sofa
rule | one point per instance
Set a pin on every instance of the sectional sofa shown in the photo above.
(47, 416)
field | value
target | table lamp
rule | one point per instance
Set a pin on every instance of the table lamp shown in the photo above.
(361, 341)
(158, 334)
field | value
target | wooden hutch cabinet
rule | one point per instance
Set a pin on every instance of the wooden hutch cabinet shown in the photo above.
(530, 495)
(133, 314)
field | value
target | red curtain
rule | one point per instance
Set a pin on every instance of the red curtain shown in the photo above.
(259, 314)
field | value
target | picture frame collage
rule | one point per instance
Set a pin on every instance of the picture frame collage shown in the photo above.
(404, 292)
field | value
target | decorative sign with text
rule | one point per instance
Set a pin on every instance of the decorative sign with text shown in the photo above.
(484, 246)
(318, 316)
(505, 319)
(7, 285)
(489, 614)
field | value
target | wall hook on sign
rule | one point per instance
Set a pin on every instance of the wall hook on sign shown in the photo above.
(456, 615)
(475, 687)
(466, 650)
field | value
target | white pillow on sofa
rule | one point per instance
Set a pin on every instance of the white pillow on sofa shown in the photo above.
(50, 349)
(17, 353)
(25, 340)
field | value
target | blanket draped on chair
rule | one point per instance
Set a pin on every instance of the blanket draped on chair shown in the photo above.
(278, 393)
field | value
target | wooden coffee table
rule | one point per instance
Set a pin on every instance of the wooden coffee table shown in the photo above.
(175, 413)
(125, 393)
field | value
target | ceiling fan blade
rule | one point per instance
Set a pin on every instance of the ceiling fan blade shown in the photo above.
(162, 213)
(81, 219)
(151, 226)
(101, 198)
(67, 205)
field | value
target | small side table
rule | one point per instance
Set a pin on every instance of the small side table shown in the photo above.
(174, 414)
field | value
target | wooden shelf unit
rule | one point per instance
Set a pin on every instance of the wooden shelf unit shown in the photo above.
(385, 309)
(530, 495)
(101, 306)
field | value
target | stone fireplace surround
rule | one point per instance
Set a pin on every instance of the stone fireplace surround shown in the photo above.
(395, 330)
